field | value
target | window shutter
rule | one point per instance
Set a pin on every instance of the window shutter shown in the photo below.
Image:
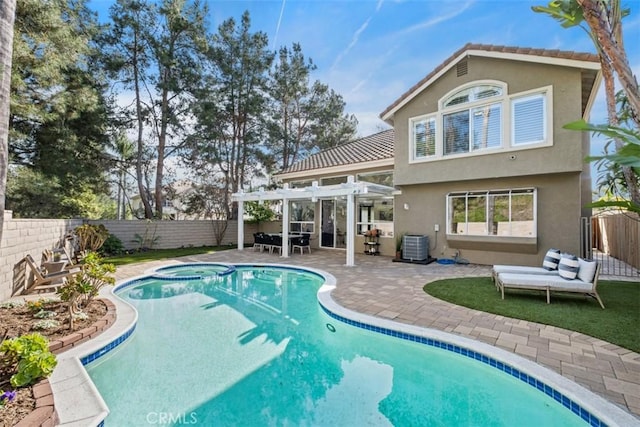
(529, 120)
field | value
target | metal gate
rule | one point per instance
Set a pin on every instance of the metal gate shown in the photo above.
(594, 245)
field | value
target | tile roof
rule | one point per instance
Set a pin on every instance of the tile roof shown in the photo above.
(550, 53)
(378, 146)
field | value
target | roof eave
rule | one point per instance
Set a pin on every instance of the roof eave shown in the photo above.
(592, 96)
(351, 168)
(540, 59)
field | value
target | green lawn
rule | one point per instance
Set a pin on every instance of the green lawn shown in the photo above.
(157, 254)
(618, 323)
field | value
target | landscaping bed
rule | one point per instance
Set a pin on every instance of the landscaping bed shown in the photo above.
(19, 320)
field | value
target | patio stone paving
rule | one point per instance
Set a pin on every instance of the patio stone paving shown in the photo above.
(392, 290)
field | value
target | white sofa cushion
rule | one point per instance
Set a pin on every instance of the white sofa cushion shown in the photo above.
(532, 281)
(523, 269)
(587, 270)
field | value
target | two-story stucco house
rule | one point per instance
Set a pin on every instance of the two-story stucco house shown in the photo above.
(481, 153)
(480, 161)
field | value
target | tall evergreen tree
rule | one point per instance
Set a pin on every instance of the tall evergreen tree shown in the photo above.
(127, 58)
(304, 117)
(7, 16)
(58, 113)
(156, 50)
(230, 104)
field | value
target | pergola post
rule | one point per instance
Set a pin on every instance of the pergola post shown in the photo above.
(351, 230)
(285, 227)
(240, 224)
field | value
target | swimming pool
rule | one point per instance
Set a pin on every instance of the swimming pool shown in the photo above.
(255, 348)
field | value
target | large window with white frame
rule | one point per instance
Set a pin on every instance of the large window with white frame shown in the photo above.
(423, 137)
(510, 213)
(481, 117)
(302, 213)
(375, 213)
(528, 115)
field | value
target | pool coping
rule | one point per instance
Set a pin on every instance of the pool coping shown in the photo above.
(71, 383)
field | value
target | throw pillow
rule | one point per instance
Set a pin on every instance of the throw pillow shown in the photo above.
(551, 259)
(587, 270)
(569, 266)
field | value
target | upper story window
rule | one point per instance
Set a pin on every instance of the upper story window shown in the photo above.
(529, 119)
(423, 135)
(481, 117)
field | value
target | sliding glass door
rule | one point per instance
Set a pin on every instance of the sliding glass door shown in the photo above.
(334, 223)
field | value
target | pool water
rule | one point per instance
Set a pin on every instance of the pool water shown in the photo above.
(254, 348)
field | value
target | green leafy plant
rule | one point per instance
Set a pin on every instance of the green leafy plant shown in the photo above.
(38, 305)
(91, 237)
(29, 356)
(399, 239)
(258, 213)
(45, 314)
(112, 246)
(12, 304)
(45, 324)
(628, 155)
(80, 289)
(149, 239)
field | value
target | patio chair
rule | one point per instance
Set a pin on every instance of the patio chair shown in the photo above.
(262, 241)
(43, 281)
(301, 243)
(275, 244)
(257, 244)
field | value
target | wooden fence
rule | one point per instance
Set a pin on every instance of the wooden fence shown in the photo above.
(617, 234)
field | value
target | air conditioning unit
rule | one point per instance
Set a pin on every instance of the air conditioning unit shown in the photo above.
(415, 247)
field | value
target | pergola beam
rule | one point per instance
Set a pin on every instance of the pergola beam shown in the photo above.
(349, 190)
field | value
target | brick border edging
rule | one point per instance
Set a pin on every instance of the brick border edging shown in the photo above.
(45, 415)
(79, 337)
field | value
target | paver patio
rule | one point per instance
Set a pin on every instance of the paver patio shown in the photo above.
(379, 287)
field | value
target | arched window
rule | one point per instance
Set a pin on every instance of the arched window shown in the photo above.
(472, 119)
(482, 117)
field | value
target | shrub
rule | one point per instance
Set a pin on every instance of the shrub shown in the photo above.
(81, 288)
(112, 246)
(29, 356)
(45, 324)
(45, 314)
(91, 237)
(39, 305)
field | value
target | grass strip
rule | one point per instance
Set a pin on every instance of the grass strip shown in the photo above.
(618, 323)
(157, 254)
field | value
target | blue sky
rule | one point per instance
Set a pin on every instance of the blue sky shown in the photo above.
(372, 51)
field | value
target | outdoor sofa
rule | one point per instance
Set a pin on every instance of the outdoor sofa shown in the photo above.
(572, 275)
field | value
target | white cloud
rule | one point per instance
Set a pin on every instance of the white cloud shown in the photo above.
(458, 9)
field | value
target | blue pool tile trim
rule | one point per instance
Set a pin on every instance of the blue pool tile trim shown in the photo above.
(532, 381)
(157, 275)
(107, 348)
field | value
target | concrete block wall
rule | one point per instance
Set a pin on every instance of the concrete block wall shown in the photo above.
(175, 234)
(32, 236)
(27, 236)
